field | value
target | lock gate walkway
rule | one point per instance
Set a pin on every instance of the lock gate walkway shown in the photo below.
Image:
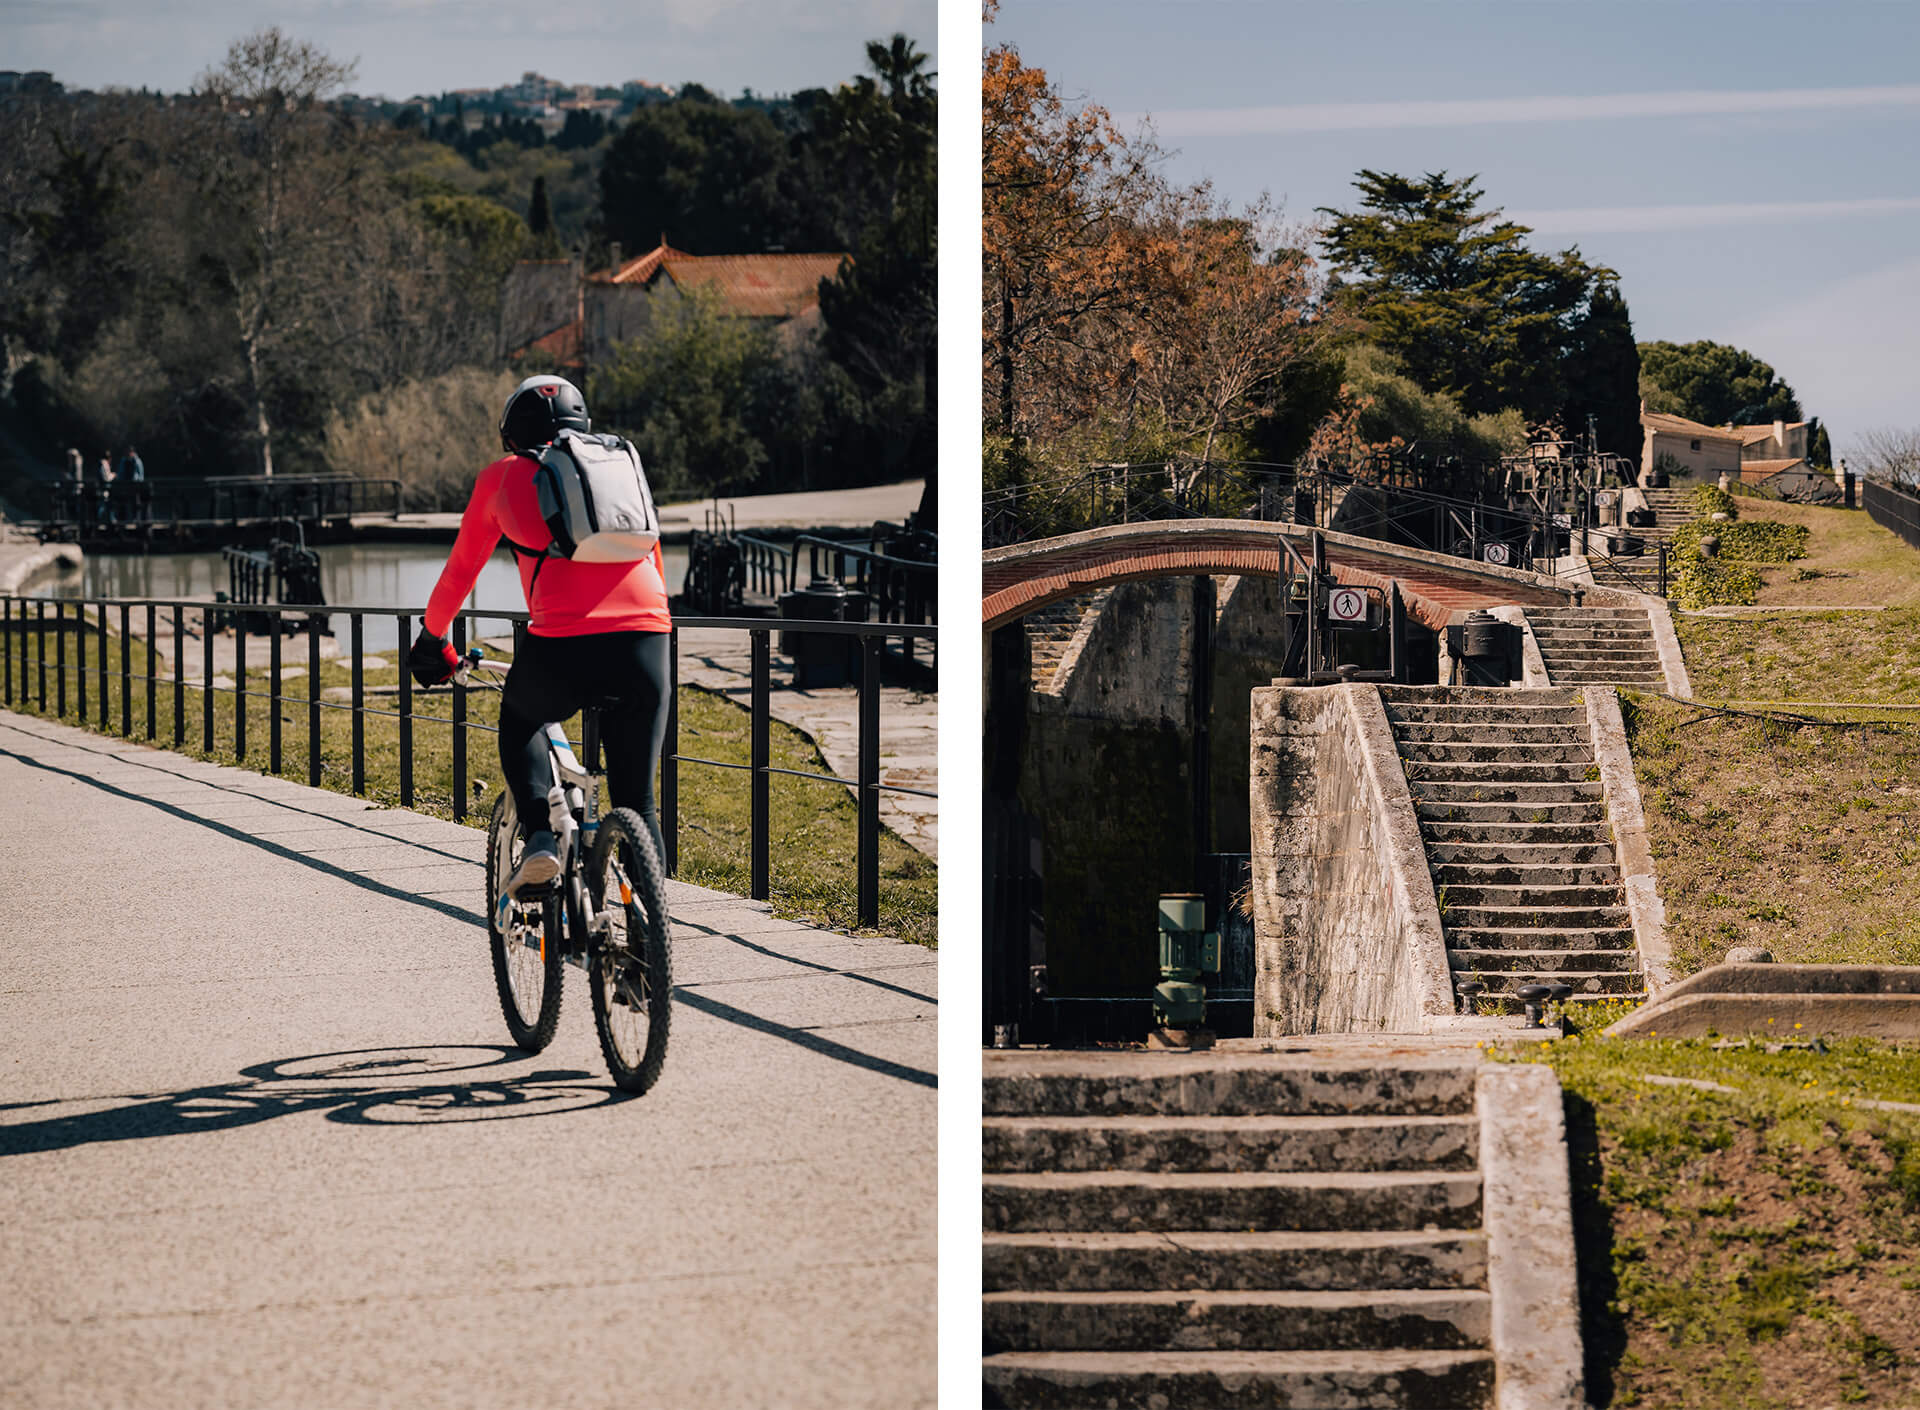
(264, 1142)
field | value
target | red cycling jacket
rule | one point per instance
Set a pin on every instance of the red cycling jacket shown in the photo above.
(568, 599)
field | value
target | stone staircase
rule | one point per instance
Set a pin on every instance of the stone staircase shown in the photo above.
(1597, 646)
(1051, 630)
(1234, 1230)
(1514, 821)
(1671, 508)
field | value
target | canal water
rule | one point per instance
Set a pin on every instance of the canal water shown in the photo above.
(398, 576)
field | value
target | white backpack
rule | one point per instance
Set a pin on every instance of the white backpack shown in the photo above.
(595, 500)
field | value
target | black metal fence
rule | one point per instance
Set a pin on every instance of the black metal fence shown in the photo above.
(92, 511)
(1893, 509)
(89, 626)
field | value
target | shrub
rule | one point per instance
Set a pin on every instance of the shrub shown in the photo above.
(1709, 500)
(1751, 541)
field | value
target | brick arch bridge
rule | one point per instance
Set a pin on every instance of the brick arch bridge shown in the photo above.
(1026, 577)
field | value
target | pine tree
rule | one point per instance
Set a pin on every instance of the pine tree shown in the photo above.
(539, 213)
(1603, 374)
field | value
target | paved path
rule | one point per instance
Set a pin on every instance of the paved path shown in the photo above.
(262, 1142)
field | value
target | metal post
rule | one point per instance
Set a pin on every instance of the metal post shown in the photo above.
(313, 702)
(1663, 567)
(179, 675)
(206, 679)
(759, 882)
(6, 644)
(1202, 688)
(273, 699)
(239, 687)
(151, 655)
(1396, 633)
(459, 726)
(405, 623)
(670, 762)
(80, 665)
(40, 656)
(867, 848)
(103, 664)
(126, 668)
(60, 658)
(1473, 532)
(359, 703)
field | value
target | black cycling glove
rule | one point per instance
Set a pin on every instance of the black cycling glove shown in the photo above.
(432, 660)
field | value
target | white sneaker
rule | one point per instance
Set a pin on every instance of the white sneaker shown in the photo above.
(538, 866)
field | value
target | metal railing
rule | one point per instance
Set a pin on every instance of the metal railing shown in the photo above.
(1895, 510)
(123, 510)
(84, 622)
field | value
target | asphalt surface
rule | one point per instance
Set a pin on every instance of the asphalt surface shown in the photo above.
(263, 1141)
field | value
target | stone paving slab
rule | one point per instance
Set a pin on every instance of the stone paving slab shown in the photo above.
(263, 1141)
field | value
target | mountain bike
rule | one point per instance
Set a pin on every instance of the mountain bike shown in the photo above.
(605, 912)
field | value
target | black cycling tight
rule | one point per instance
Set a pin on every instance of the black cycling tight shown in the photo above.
(552, 677)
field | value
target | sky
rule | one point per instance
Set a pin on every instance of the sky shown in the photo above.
(1750, 168)
(404, 47)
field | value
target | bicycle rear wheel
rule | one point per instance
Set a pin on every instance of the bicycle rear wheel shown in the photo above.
(526, 948)
(631, 974)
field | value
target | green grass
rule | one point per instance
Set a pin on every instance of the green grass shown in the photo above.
(1804, 840)
(1744, 1249)
(813, 831)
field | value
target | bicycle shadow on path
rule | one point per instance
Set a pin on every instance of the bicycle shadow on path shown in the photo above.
(354, 1087)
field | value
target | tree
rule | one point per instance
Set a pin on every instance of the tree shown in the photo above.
(704, 175)
(1454, 293)
(1819, 446)
(1714, 384)
(1889, 453)
(539, 213)
(269, 167)
(1603, 375)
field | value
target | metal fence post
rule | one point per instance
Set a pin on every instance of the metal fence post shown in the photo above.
(151, 678)
(273, 698)
(126, 667)
(359, 703)
(40, 656)
(103, 664)
(6, 644)
(760, 880)
(60, 658)
(313, 702)
(179, 675)
(405, 622)
(459, 632)
(206, 679)
(670, 763)
(80, 665)
(867, 853)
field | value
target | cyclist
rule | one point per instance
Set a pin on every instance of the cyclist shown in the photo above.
(597, 630)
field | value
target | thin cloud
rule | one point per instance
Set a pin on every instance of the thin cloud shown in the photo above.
(1470, 112)
(1618, 220)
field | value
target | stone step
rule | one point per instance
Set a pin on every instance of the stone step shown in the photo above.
(1129, 1201)
(1458, 877)
(1490, 751)
(1616, 937)
(1480, 696)
(1500, 834)
(1465, 917)
(1501, 791)
(1508, 896)
(1524, 854)
(1506, 813)
(1622, 636)
(1230, 1143)
(1520, 772)
(1241, 1321)
(1567, 960)
(1557, 615)
(1484, 732)
(1300, 1380)
(1613, 655)
(1584, 983)
(1616, 678)
(1166, 1084)
(1556, 716)
(1320, 1259)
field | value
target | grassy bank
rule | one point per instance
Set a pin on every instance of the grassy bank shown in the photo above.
(1799, 655)
(1757, 1247)
(1802, 839)
(813, 829)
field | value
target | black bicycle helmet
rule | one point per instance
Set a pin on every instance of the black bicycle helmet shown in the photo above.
(540, 409)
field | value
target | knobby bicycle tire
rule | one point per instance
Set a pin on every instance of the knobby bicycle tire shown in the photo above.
(534, 1032)
(631, 984)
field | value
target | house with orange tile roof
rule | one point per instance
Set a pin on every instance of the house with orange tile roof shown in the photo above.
(557, 312)
(1690, 450)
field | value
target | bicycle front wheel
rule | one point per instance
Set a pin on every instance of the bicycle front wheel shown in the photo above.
(631, 974)
(524, 937)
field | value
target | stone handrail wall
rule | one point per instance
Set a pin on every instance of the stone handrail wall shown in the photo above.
(1347, 931)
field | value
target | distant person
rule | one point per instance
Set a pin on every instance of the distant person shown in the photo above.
(133, 477)
(103, 482)
(73, 487)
